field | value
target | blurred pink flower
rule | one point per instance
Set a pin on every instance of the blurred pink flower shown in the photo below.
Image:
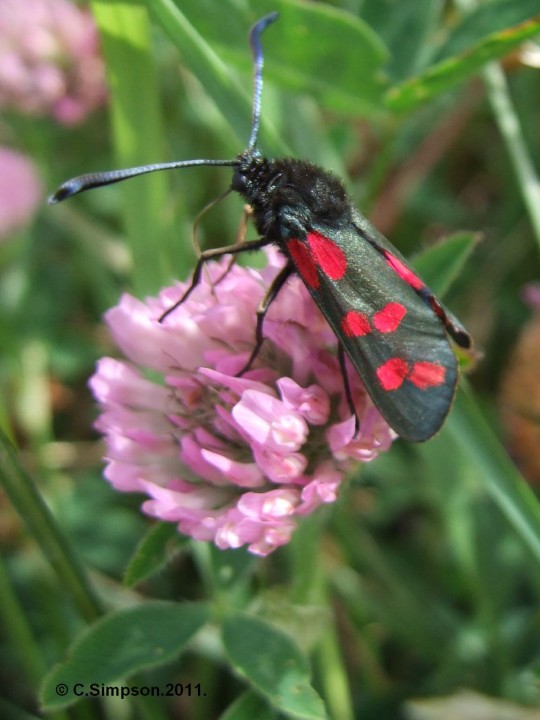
(49, 59)
(530, 294)
(233, 460)
(20, 190)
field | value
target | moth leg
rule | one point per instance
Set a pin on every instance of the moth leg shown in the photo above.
(247, 213)
(277, 283)
(347, 388)
(213, 254)
(199, 217)
(240, 239)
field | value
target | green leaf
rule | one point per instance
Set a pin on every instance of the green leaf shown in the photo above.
(450, 72)
(483, 21)
(151, 554)
(211, 41)
(121, 644)
(441, 264)
(406, 28)
(248, 706)
(273, 664)
(11, 711)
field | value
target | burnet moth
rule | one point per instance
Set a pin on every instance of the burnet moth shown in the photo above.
(386, 320)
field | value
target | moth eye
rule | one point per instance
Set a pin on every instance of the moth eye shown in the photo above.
(238, 181)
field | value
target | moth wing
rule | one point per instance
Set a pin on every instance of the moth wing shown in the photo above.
(394, 340)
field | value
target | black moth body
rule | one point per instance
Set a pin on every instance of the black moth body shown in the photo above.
(386, 320)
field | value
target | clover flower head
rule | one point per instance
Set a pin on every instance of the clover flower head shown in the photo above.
(231, 459)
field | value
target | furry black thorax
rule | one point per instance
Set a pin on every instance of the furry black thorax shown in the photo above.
(288, 195)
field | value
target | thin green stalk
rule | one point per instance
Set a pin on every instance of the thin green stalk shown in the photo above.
(510, 129)
(337, 693)
(309, 575)
(22, 492)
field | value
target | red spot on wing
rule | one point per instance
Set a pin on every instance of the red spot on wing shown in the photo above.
(327, 255)
(355, 324)
(427, 374)
(392, 373)
(304, 262)
(403, 271)
(389, 318)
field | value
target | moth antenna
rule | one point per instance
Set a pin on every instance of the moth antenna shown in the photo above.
(258, 62)
(82, 183)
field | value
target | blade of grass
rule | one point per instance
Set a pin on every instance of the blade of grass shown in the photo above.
(137, 132)
(500, 478)
(22, 492)
(18, 630)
